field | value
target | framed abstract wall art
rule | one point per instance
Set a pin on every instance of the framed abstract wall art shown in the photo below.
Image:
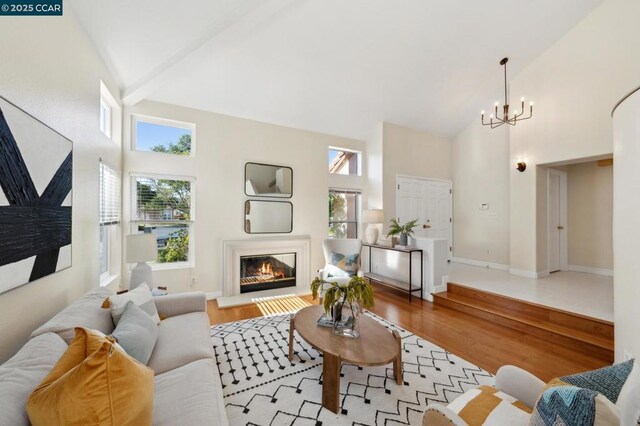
(35, 198)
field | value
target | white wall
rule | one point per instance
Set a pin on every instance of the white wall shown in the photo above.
(414, 153)
(590, 215)
(223, 145)
(574, 83)
(626, 232)
(51, 70)
(481, 175)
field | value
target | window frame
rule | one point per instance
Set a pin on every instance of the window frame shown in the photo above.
(105, 247)
(358, 209)
(112, 128)
(358, 160)
(105, 117)
(109, 231)
(133, 222)
(137, 118)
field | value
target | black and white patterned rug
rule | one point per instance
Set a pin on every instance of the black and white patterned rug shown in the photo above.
(262, 387)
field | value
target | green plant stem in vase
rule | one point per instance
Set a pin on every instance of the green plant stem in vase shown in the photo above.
(346, 298)
(405, 231)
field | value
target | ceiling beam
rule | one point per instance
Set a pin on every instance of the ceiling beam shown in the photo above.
(253, 14)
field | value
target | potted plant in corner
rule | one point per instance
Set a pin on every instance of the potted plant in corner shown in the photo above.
(343, 302)
(405, 231)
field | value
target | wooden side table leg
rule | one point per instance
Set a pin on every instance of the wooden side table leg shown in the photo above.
(291, 328)
(397, 363)
(331, 381)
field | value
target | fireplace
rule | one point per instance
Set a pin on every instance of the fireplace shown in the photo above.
(234, 250)
(267, 272)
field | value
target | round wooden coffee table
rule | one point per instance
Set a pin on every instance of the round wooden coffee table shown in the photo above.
(375, 346)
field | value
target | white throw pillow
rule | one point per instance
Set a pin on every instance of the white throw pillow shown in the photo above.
(137, 332)
(141, 296)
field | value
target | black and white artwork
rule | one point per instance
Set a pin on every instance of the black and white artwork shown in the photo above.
(35, 201)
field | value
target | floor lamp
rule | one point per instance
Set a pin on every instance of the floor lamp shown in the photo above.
(141, 248)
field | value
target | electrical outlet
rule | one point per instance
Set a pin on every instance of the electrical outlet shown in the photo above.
(627, 355)
(193, 281)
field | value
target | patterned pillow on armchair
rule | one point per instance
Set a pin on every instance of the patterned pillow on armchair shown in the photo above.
(348, 263)
(563, 404)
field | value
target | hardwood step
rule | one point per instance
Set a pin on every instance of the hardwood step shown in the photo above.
(588, 335)
(534, 311)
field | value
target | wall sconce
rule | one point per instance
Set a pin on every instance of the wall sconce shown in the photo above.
(521, 166)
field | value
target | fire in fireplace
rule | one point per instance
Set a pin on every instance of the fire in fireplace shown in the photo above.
(267, 271)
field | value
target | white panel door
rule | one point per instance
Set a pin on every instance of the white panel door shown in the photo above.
(557, 220)
(439, 209)
(429, 201)
(410, 200)
(554, 223)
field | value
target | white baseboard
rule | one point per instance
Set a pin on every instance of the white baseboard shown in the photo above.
(590, 270)
(542, 274)
(528, 274)
(440, 288)
(211, 295)
(490, 265)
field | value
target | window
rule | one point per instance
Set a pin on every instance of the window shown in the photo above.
(343, 213)
(110, 115)
(164, 206)
(343, 162)
(109, 219)
(164, 136)
(105, 117)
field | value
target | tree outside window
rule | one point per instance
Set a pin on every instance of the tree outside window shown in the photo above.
(343, 214)
(164, 208)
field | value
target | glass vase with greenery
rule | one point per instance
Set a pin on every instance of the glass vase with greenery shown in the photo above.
(348, 298)
(405, 231)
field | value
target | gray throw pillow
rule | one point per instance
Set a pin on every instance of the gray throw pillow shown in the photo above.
(136, 332)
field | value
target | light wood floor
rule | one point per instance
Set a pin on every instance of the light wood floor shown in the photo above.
(479, 341)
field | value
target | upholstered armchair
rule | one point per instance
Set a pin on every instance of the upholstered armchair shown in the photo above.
(606, 396)
(342, 259)
(513, 382)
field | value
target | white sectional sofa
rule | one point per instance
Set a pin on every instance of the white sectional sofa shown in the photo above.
(187, 383)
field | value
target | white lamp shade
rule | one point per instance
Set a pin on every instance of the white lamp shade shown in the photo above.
(373, 216)
(141, 248)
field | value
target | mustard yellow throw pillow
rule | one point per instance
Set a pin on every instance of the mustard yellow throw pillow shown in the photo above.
(94, 383)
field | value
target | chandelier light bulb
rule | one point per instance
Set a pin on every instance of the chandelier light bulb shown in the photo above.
(522, 99)
(491, 116)
(482, 112)
(497, 103)
(531, 103)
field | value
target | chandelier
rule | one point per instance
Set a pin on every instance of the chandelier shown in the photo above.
(509, 118)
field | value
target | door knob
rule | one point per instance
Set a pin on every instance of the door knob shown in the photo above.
(560, 227)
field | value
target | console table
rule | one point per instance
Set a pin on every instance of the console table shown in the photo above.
(407, 287)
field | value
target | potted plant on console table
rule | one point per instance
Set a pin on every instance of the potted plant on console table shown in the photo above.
(405, 231)
(343, 303)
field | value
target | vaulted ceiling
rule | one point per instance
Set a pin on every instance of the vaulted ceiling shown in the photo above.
(332, 66)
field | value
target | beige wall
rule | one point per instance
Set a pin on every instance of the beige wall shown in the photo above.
(590, 215)
(413, 153)
(223, 145)
(574, 84)
(481, 175)
(51, 70)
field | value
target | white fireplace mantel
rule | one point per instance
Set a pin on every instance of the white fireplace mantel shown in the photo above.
(233, 250)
